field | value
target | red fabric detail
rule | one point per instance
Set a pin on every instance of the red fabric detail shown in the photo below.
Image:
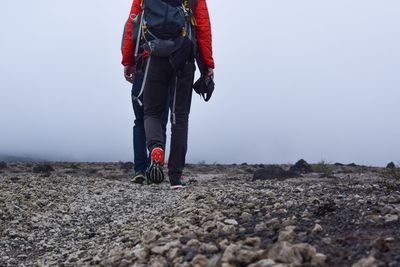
(128, 47)
(203, 32)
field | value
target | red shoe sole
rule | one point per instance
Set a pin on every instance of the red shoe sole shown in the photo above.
(157, 155)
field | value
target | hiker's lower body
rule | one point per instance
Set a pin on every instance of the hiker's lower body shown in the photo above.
(141, 158)
(160, 83)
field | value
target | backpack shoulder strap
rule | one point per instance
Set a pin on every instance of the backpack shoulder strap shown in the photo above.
(190, 4)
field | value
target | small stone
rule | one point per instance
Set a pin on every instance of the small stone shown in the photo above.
(288, 234)
(208, 248)
(263, 263)
(160, 249)
(177, 263)
(231, 221)
(260, 227)
(72, 258)
(317, 228)
(173, 253)
(193, 243)
(223, 244)
(366, 262)
(189, 254)
(391, 218)
(318, 259)
(269, 194)
(306, 214)
(141, 253)
(288, 222)
(228, 229)
(245, 216)
(230, 253)
(389, 239)
(381, 245)
(245, 256)
(150, 236)
(200, 261)
(67, 218)
(296, 255)
(273, 221)
(159, 261)
(326, 240)
(252, 241)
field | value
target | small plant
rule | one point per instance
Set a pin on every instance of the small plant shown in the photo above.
(323, 168)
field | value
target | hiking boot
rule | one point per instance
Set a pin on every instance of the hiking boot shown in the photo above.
(177, 183)
(139, 178)
(154, 172)
(184, 180)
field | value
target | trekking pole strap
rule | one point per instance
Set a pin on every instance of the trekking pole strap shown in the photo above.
(174, 102)
(136, 98)
(139, 35)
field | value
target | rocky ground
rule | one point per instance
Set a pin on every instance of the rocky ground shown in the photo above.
(83, 214)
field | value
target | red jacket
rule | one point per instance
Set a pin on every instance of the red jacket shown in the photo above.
(203, 34)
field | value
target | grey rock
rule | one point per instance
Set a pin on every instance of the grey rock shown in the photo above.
(297, 254)
(231, 221)
(288, 234)
(3, 165)
(317, 228)
(391, 218)
(150, 236)
(301, 166)
(200, 261)
(263, 263)
(366, 262)
(390, 165)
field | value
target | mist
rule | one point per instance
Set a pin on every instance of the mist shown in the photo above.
(294, 79)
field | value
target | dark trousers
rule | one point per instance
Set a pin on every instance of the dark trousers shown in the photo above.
(161, 82)
(141, 158)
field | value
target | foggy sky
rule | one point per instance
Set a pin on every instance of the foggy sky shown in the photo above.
(294, 79)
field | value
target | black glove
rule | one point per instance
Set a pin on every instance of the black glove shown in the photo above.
(204, 86)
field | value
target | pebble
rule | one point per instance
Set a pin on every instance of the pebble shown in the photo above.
(231, 221)
(317, 228)
(200, 261)
(366, 262)
(391, 218)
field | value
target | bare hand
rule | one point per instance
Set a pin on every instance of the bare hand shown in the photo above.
(129, 73)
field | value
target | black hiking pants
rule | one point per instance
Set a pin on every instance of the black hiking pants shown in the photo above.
(161, 81)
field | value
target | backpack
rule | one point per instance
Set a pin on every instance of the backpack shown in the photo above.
(162, 28)
(162, 25)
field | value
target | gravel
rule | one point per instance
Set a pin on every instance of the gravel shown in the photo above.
(90, 214)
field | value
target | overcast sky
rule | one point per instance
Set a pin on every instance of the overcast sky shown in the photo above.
(311, 79)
